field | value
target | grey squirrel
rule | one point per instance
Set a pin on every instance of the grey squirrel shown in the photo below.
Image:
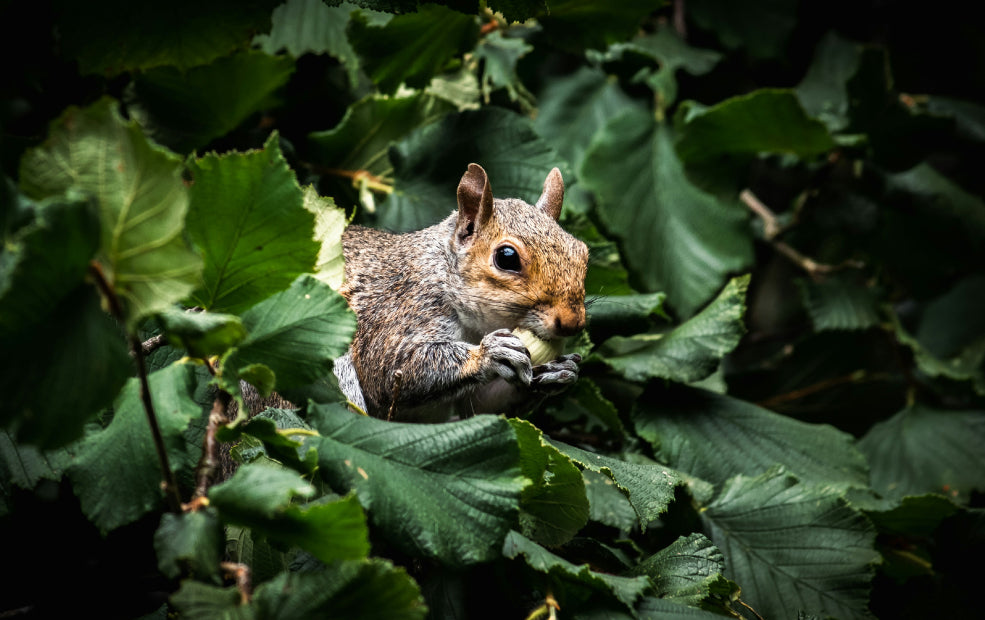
(436, 307)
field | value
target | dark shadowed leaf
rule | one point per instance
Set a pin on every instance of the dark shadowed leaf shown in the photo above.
(190, 544)
(793, 547)
(927, 450)
(714, 437)
(116, 474)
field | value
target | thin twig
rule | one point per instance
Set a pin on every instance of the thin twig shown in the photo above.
(153, 344)
(373, 182)
(772, 228)
(241, 573)
(170, 483)
(856, 377)
(680, 24)
(209, 463)
(746, 605)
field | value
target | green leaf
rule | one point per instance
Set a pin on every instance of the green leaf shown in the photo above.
(312, 27)
(444, 491)
(824, 90)
(33, 279)
(793, 547)
(649, 488)
(554, 508)
(714, 437)
(651, 608)
(967, 363)
(248, 218)
(429, 163)
(116, 36)
(189, 544)
(330, 224)
(412, 48)
(187, 109)
(25, 466)
(607, 504)
(141, 197)
(572, 109)
(370, 125)
(295, 334)
(626, 589)
(202, 334)
(674, 237)
(914, 515)
(45, 403)
(839, 303)
(764, 121)
(259, 497)
(691, 351)
(926, 450)
(199, 601)
(761, 28)
(344, 590)
(500, 54)
(574, 25)
(672, 53)
(116, 474)
(684, 570)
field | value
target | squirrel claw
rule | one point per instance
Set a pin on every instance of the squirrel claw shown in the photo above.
(556, 374)
(507, 356)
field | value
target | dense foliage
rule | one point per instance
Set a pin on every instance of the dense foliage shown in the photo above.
(782, 405)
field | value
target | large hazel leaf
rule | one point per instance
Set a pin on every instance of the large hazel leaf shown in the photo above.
(714, 437)
(764, 121)
(649, 488)
(443, 491)
(350, 590)
(295, 334)
(248, 218)
(555, 506)
(116, 474)
(141, 198)
(574, 25)
(927, 450)
(573, 108)
(839, 303)
(311, 26)
(115, 36)
(793, 547)
(370, 125)
(429, 163)
(259, 496)
(412, 48)
(689, 352)
(188, 109)
(674, 237)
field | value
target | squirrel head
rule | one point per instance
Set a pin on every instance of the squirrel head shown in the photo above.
(522, 268)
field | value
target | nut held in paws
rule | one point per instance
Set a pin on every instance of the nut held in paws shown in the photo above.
(541, 351)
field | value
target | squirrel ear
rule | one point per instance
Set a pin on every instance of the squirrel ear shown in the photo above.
(475, 200)
(553, 195)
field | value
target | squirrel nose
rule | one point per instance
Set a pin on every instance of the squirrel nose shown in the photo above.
(569, 322)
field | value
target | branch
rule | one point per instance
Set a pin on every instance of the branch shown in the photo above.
(170, 483)
(240, 572)
(209, 463)
(373, 182)
(772, 228)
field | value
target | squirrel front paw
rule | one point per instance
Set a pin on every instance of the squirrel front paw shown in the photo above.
(556, 375)
(502, 354)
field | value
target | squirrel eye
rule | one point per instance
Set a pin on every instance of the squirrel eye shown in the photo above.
(507, 258)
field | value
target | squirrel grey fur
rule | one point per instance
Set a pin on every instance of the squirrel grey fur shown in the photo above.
(435, 307)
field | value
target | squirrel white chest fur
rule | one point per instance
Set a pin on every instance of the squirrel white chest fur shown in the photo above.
(436, 307)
